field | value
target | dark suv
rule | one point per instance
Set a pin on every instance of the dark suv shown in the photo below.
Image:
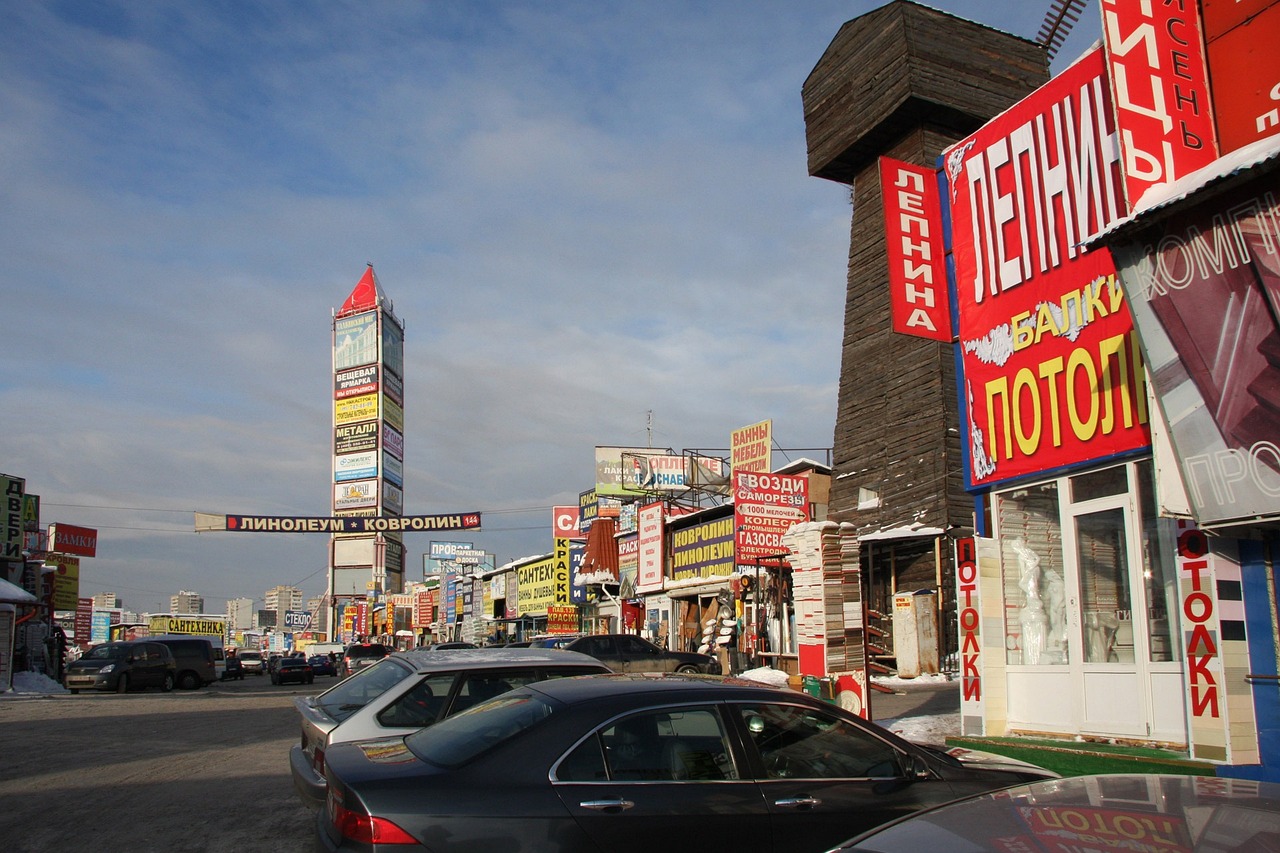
(359, 655)
(122, 667)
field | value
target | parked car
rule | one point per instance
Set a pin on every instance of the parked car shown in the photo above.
(629, 653)
(359, 655)
(613, 762)
(195, 658)
(408, 690)
(321, 665)
(234, 670)
(291, 669)
(451, 644)
(1120, 812)
(122, 667)
(553, 641)
(252, 662)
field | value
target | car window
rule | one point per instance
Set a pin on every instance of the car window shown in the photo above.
(667, 745)
(420, 705)
(349, 696)
(458, 739)
(796, 742)
(597, 646)
(630, 645)
(481, 686)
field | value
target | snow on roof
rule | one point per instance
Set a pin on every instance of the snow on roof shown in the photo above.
(913, 530)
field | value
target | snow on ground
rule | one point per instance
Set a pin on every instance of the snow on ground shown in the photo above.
(32, 684)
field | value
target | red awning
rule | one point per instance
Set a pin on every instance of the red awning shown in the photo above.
(600, 561)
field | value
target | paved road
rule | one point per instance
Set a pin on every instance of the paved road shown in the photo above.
(185, 772)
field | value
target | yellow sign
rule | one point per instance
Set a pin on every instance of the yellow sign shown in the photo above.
(363, 408)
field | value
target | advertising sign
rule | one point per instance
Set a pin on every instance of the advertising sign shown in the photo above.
(764, 507)
(1052, 371)
(355, 466)
(69, 539)
(11, 489)
(1204, 288)
(82, 632)
(353, 438)
(564, 523)
(352, 409)
(562, 619)
(392, 498)
(666, 472)
(393, 469)
(393, 412)
(702, 552)
(588, 509)
(1160, 88)
(609, 470)
(66, 581)
(539, 586)
(354, 495)
(393, 386)
(1243, 54)
(649, 533)
(751, 447)
(296, 620)
(913, 244)
(355, 340)
(392, 345)
(393, 441)
(206, 522)
(355, 382)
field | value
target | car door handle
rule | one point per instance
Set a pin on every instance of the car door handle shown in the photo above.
(803, 802)
(607, 805)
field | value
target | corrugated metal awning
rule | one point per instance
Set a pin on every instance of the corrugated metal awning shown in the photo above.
(600, 561)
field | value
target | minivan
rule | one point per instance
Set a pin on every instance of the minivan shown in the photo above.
(197, 663)
(122, 667)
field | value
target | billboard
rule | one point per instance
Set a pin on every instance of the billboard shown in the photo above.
(751, 447)
(69, 539)
(1051, 370)
(355, 466)
(1241, 46)
(355, 382)
(764, 507)
(353, 438)
(355, 340)
(913, 244)
(609, 467)
(703, 551)
(650, 520)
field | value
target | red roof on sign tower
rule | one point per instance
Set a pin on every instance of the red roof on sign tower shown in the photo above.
(366, 295)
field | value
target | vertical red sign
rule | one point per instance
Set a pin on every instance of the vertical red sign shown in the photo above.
(1245, 68)
(1160, 87)
(913, 244)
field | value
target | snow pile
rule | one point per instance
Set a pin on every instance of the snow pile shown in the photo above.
(33, 684)
(766, 675)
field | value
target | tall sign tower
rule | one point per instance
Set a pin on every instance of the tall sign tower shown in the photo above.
(368, 454)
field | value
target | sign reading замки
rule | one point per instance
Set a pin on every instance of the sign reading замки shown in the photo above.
(206, 522)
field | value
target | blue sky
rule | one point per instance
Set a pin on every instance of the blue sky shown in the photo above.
(584, 212)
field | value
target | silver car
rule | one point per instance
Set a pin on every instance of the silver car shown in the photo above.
(407, 691)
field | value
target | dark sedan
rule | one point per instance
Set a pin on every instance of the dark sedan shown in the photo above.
(322, 665)
(629, 653)
(292, 670)
(625, 763)
(1122, 812)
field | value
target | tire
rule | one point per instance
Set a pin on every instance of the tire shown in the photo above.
(74, 690)
(311, 680)
(167, 684)
(122, 684)
(686, 668)
(189, 681)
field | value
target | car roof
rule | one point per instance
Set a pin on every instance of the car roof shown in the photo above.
(710, 688)
(494, 657)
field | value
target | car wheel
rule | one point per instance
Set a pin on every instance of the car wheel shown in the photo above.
(122, 685)
(190, 681)
(167, 684)
(687, 668)
(74, 690)
(310, 679)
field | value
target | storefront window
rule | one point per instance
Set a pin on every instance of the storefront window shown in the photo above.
(1099, 484)
(1035, 593)
(1159, 578)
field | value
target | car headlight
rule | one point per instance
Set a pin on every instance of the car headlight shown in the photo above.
(108, 668)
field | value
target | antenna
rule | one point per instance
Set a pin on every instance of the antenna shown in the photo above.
(649, 428)
(1058, 21)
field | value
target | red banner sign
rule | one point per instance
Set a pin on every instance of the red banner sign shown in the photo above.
(1052, 370)
(69, 539)
(764, 507)
(1160, 86)
(913, 243)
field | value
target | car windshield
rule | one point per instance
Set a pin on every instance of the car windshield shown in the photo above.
(110, 651)
(456, 740)
(250, 656)
(345, 698)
